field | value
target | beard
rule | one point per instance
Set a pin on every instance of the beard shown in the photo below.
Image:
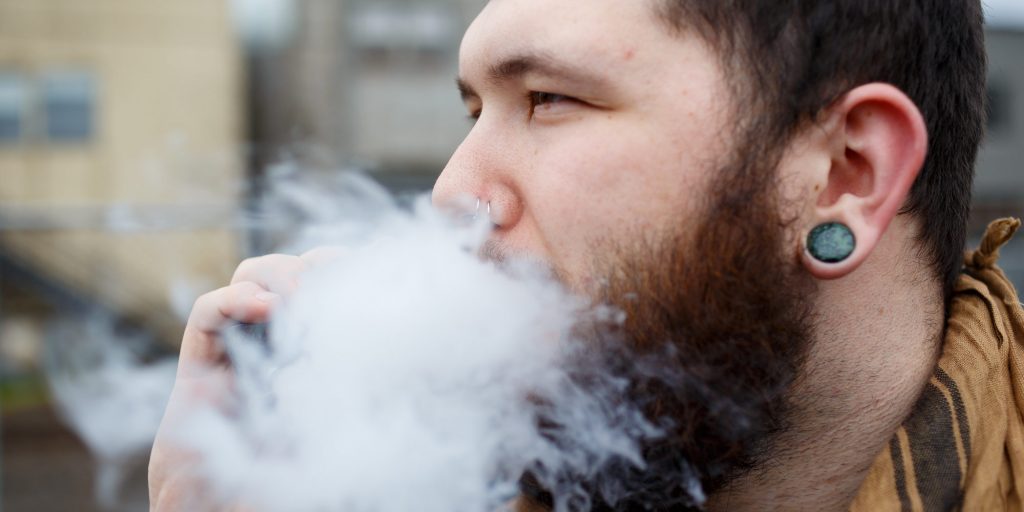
(715, 333)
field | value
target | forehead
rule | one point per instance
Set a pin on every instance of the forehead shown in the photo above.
(591, 30)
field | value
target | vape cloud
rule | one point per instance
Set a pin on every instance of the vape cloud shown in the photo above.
(406, 374)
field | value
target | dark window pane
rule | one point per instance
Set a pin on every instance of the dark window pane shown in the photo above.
(69, 99)
(13, 99)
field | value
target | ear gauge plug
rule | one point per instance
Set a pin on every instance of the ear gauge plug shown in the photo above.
(831, 243)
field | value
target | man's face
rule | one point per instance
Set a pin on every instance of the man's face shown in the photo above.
(596, 126)
(606, 147)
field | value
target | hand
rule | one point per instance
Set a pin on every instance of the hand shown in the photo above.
(204, 373)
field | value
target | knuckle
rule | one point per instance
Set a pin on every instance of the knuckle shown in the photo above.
(290, 263)
(205, 301)
(251, 268)
(247, 266)
(287, 267)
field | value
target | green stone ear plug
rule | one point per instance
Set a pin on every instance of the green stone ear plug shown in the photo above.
(831, 243)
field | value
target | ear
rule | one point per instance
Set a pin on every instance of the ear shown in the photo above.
(878, 145)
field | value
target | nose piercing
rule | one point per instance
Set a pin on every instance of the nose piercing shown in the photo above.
(476, 214)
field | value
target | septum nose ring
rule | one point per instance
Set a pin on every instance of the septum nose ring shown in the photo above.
(490, 217)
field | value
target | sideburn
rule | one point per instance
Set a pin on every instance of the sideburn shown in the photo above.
(716, 331)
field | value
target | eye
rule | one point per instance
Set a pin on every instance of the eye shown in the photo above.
(544, 98)
(540, 101)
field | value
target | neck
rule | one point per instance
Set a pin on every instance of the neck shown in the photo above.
(878, 336)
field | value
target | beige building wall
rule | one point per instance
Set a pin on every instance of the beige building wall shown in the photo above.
(143, 204)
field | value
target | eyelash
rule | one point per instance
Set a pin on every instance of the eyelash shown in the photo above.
(540, 98)
(535, 99)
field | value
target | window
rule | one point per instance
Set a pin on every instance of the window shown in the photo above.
(382, 31)
(69, 104)
(13, 103)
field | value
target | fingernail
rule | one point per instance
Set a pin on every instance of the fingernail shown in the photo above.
(268, 297)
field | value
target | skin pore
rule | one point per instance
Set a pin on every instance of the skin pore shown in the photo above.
(596, 130)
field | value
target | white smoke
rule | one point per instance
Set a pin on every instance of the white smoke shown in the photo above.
(106, 389)
(404, 374)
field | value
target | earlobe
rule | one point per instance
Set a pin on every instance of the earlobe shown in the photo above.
(878, 147)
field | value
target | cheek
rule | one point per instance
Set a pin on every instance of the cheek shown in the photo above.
(611, 184)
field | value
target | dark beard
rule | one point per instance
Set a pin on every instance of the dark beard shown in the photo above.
(716, 330)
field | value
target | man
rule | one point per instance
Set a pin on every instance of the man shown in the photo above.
(778, 191)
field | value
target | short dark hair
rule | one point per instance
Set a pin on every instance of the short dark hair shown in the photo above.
(797, 57)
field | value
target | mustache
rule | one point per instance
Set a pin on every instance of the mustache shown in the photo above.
(517, 261)
(495, 251)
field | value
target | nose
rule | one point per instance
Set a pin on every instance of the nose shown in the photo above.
(481, 176)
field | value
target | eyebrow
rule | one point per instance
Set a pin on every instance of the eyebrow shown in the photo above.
(518, 66)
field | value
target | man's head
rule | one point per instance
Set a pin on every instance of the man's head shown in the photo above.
(792, 60)
(670, 157)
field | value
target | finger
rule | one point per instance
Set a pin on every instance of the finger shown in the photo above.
(278, 273)
(245, 302)
(201, 386)
(176, 482)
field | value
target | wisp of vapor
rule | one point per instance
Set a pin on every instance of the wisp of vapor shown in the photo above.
(406, 373)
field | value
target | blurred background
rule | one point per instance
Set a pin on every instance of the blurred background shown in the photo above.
(134, 135)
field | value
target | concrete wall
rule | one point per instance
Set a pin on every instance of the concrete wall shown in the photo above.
(386, 96)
